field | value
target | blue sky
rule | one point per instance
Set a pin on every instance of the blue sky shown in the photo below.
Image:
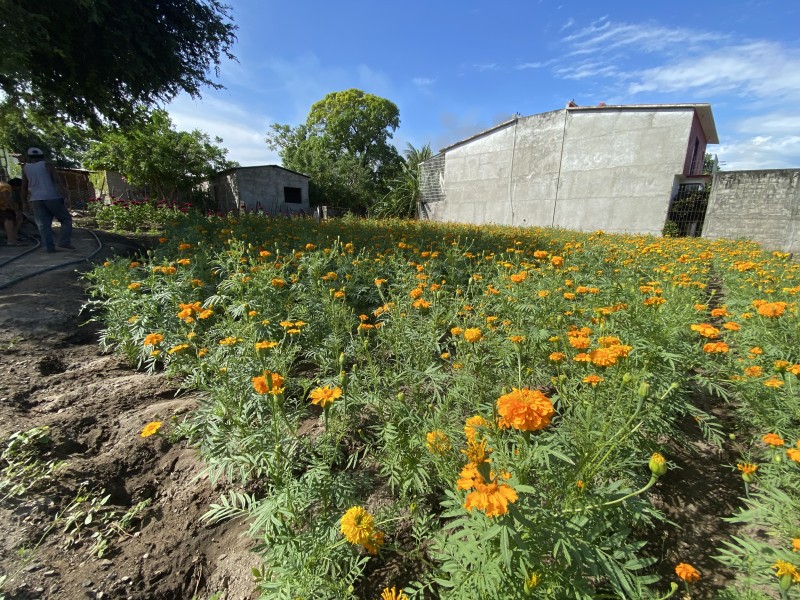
(455, 68)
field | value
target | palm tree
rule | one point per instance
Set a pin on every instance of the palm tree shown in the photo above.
(401, 199)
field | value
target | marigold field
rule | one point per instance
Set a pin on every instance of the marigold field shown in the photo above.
(418, 410)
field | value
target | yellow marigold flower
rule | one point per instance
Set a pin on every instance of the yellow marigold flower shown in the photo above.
(715, 348)
(700, 306)
(772, 439)
(445, 355)
(516, 339)
(687, 572)
(774, 382)
(153, 339)
(786, 568)
(543, 293)
(134, 286)
(324, 396)
(593, 379)
(265, 345)
(477, 451)
(393, 593)
(202, 352)
(178, 348)
(794, 370)
(380, 282)
(184, 261)
(524, 409)
(437, 442)
(456, 331)
(151, 429)
(658, 464)
(473, 334)
(557, 261)
(457, 366)
(229, 341)
(357, 525)
(471, 427)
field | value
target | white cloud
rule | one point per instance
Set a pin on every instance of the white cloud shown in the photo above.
(570, 22)
(242, 130)
(761, 69)
(486, 67)
(604, 36)
(533, 65)
(423, 82)
(760, 152)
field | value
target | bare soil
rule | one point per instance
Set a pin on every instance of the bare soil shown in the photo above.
(54, 373)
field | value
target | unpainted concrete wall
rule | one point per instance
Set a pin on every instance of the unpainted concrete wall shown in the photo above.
(614, 170)
(252, 188)
(763, 206)
(619, 168)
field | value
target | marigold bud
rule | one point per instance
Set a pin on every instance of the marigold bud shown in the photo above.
(658, 465)
(644, 389)
(626, 378)
(341, 361)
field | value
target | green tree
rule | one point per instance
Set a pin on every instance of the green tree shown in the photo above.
(403, 195)
(84, 60)
(150, 152)
(344, 147)
(22, 127)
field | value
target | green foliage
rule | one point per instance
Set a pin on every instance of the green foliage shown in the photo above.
(151, 152)
(404, 192)
(24, 467)
(87, 60)
(380, 310)
(344, 147)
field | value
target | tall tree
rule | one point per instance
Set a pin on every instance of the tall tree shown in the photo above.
(88, 60)
(344, 147)
(151, 152)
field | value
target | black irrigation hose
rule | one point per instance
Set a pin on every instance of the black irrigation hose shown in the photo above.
(53, 267)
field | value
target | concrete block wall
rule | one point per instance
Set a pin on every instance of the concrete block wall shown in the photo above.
(619, 168)
(252, 188)
(578, 168)
(763, 206)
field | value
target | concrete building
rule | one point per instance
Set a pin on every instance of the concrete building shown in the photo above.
(614, 168)
(270, 189)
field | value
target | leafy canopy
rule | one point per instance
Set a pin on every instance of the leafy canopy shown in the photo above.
(97, 59)
(151, 152)
(344, 147)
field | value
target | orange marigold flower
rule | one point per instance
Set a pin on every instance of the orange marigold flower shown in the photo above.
(153, 339)
(774, 382)
(324, 396)
(491, 498)
(603, 357)
(706, 330)
(687, 572)
(524, 409)
(277, 282)
(265, 345)
(415, 293)
(756, 350)
(557, 261)
(473, 334)
(151, 429)
(421, 304)
(543, 293)
(456, 331)
(719, 312)
(654, 301)
(753, 371)
(592, 379)
(715, 348)
(582, 357)
(557, 356)
(261, 384)
(796, 545)
(794, 453)
(773, 439)
(772, 309)
(516, 339)
(579, 342)
(519, 277)
(747, 468)
(731, 326)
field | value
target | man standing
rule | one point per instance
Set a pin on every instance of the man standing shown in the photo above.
(47, 200)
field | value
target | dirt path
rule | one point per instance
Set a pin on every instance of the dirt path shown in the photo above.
(53, 374)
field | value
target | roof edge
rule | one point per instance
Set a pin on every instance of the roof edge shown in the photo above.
(261, 167)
